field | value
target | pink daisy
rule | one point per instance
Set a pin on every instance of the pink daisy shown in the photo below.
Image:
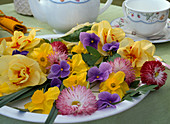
(121, 64)
(56, 58)
(152, 73)
(58, 46)
(77, 101)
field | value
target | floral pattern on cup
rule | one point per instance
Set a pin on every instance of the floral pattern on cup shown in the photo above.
(72, 1)
(147, 17)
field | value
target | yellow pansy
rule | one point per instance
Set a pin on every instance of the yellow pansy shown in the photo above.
(18, 72)
(21, 42)
(41, 55)
(107, 34)
(115, 84)
(43, 102)
(74, 80)
(77, 64)
(137, 52)
(79, 48)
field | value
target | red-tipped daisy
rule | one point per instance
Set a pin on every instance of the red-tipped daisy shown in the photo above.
(76, 101)
(59, 47)
(152, 73)
(56, 58)
(121, 64)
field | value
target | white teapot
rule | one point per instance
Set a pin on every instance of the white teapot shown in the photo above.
(63, 15)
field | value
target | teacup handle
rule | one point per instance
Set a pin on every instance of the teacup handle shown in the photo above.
(107, 4)
(124, 9)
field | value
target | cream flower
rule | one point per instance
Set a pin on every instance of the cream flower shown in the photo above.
(19, 72)
(3, 47)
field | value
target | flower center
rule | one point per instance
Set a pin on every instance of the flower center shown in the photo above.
(92, 41)
(61, 69)
(113, 85)
(156, 74)
(42, 59)
(77, 103)
(97, 76)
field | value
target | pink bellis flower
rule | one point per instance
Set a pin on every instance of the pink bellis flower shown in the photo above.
(76, 101)
(152, 73)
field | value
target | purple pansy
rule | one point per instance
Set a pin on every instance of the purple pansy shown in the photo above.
(61, 70)
(99, 74)
(107, 99)
(114, 46)
(55, 82)
(18, 52)
(88, 39)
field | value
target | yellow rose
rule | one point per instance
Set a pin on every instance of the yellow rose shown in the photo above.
(19, 72)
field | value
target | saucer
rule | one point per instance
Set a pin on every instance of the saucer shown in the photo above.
(162, 37)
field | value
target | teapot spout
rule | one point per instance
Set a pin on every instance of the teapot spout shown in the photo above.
(38, 9)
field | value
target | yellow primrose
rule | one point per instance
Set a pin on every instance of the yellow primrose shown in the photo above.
(77, 65)
(21, 42)
(137, 52)
(41, 55)
(18, 72)
(115, 84)
(43, 102)
(107, 34)
(79, 48)
(74, 80)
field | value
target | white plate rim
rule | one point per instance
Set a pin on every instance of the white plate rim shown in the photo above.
(153, 41)
(40, 118)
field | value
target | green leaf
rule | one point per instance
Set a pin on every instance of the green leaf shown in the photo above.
(127, 97)
(74, 37)
(93, 51)
(53, 114)
(46, 40)
(92, 57)
(146, 88)
(135, 84)
(114, 57)
(13, 96)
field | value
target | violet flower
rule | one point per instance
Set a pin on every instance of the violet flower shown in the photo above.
(113, 46)
(61, 70)
(88, 39)
(107, 99)
(55, 82)
(99, 74)
(18, 52)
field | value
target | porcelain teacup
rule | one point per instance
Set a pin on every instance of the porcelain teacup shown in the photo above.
(63, 15)
(146, 17)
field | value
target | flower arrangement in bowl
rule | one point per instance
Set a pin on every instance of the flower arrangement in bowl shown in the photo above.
(91, 68)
